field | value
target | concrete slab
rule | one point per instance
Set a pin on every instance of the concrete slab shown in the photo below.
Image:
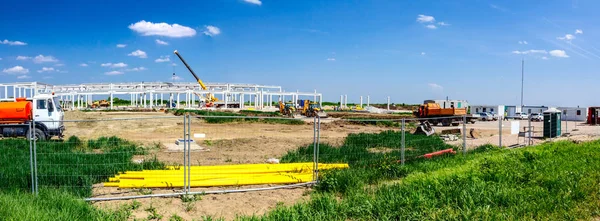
(179, 148)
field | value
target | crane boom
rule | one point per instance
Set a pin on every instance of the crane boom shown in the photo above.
(191, 71)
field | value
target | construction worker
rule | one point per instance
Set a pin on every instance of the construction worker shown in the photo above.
(506, 115)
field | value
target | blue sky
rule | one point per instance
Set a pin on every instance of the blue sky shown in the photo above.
(409, 50)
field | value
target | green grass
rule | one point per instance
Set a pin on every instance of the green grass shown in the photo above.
(72, 165)
(553, 181)
(244, 116)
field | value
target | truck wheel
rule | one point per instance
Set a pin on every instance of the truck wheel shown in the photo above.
(445, 122)
(455, 124)
(38, 134)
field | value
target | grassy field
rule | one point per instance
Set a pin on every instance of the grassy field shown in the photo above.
(72, 165)
(552, 181)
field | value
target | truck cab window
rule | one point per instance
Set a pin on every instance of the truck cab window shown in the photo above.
(41, 104)
(50, 106)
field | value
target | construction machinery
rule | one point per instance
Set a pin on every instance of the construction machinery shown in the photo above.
(100, 103)
(43, 110)
(209, 99)
(311, 109)
(434, 114)
(287, 109)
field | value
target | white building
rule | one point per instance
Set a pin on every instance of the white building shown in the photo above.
(496, 109)
(450, 103)
(573, 113)
(534, 109)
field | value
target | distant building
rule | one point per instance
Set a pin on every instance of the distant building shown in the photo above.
(534, 109)
(450, 103)
(573, 113)
(496, 109)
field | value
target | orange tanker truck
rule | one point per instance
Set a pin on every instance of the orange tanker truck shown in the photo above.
(42, 110)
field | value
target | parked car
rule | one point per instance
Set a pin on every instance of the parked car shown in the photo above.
(520, 116)
(536, 117)
(486, 117)
(494, 116)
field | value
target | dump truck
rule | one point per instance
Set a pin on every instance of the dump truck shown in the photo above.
(43, 110)
(434, 114)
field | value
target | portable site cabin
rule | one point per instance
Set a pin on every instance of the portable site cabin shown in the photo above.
(592, 118)
(534, 109)
(496, 109)
(449, 103)
(552, 123)
(573, 113)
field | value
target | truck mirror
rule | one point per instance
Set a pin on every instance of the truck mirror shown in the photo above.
(50, 106)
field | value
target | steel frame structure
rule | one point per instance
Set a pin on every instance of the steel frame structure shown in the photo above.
(152, 94)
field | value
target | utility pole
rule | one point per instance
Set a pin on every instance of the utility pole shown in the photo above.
(522, 80)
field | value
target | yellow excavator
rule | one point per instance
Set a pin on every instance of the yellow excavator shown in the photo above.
(312, 109)
(100, 103)
(287, 109)
(209, 99)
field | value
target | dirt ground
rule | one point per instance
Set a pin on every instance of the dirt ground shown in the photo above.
(231, 143)
(235, 143)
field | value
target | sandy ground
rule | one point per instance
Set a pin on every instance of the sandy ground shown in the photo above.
(231, 143)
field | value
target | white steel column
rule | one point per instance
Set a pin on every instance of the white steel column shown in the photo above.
(368, 100)
(111, 99)
(151, 100)
(388, 102)
(361, 102)
(226, 98)
(162, 103)
(178, 100)
(346, 101)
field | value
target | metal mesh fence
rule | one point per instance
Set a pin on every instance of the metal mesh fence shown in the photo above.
(111, 158)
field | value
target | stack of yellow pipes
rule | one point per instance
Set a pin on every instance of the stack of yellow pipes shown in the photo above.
(223, 175)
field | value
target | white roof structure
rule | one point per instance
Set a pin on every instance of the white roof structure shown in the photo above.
(228, 93)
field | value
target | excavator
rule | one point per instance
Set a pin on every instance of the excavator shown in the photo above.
(209, 99)
(287, 109)
(311, 109)
(100, 103)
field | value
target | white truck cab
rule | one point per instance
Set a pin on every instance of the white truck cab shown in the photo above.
(48, 115)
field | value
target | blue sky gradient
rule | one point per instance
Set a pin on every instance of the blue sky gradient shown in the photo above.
(378, 48)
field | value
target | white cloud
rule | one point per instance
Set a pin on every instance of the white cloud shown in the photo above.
(162, 29)
(330, 59)
(567, 37)
(212, 30)
(138, 53)
(176, 78)
(523, 42)
(23, 77)
(579, 31)
(59, 65)
(44, 59)
(45, 69)
(0, 59)
(431, 26)
(163, 59)
(502, 9)
(15, 43)
(121, 45)
(23, 58)
(425, 18)
(113, 73)
(559, 53)
(530, 52)
(544, 58)
(422, 53)
(435, 86)
(173, 64)
(443, 24)
(83, 65)
(161, 42)
(16, 70)
(137, 69)
(256, 2)
(115, 65)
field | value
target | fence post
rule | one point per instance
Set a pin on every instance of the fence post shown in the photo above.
(35, 158)
(500, 132)
(31, 156)
(189, 140)
(464, 134)
(529, 132)
(315, 161)
(403, 144)
(184, 152)
(318, 145)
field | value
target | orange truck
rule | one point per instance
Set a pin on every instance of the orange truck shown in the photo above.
(42, 110)
(434, 114)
